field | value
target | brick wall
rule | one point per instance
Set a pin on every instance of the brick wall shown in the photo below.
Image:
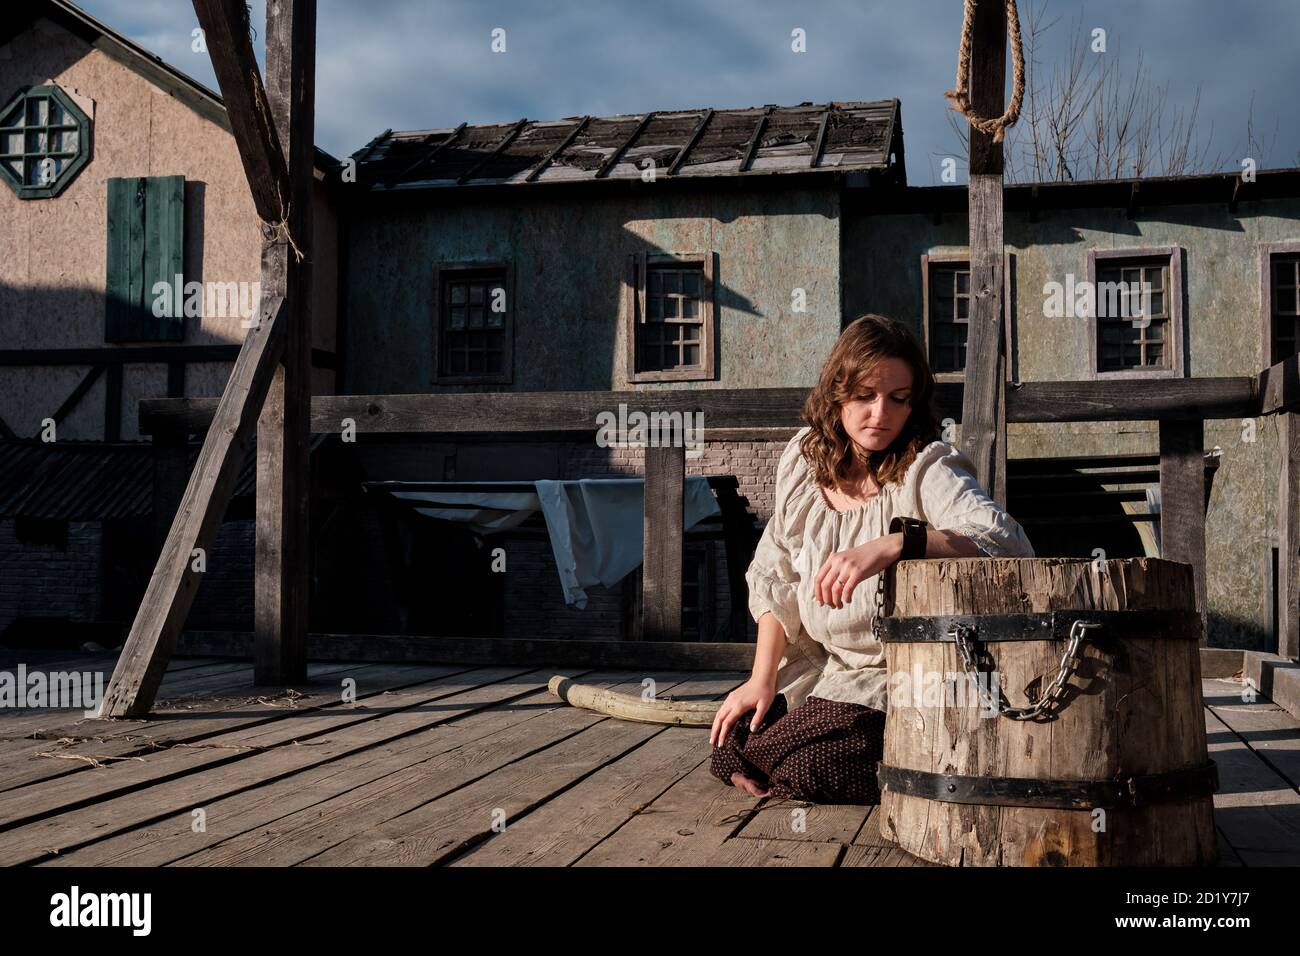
(48, 580)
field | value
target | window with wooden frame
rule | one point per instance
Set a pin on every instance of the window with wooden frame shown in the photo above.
(1279, 301)
(44, 142)
(946, 311)
(473, 323)
(669, 313)
(1135, 330)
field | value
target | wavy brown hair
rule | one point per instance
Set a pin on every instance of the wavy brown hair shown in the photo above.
(859, 349)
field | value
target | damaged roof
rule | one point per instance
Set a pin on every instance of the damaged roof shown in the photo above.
(831, 137)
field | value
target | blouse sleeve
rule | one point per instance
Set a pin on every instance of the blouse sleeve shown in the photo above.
(951, 499)
(772, 578)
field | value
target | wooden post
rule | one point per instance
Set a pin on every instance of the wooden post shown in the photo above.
(175, 579)
(661, 577)
(174, 583)
(284, 429)
(739, 538)
(170, 474)
(1288, 537)
(1182, 500)
(982, 404)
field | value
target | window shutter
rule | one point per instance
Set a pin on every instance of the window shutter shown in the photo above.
(146, 226)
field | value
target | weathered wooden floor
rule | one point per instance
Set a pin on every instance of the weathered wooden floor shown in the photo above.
(431, 761)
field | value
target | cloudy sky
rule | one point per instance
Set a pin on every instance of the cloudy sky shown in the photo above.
(421, 64)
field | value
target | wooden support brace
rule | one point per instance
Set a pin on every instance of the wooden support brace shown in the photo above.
(78, 393)
(175, 579)
(225, 28)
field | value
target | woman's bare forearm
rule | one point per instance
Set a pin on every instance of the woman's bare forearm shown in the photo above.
(772, 642)
(940, 544)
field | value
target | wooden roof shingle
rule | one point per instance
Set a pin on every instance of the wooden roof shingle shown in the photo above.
(766, 140)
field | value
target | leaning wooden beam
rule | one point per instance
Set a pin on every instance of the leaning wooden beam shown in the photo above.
(984, 345)
(281, 578)
(661, 568)
(225, 28)
(176, 577)
(523, 412)
(1288, 537)
(677, 713)
(1182, 501)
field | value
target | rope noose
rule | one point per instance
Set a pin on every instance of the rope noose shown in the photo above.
(961, 95)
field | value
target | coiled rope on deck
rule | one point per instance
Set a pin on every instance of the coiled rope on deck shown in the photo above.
(961, 95)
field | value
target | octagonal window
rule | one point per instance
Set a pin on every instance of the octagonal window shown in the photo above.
(44, 142)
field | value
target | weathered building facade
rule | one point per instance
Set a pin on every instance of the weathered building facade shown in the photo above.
(790, 258)
(683, 250)
(118, 172)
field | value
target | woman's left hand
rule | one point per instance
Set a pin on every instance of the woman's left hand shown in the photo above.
(844, 570)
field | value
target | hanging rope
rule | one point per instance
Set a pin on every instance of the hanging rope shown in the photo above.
(961, 95)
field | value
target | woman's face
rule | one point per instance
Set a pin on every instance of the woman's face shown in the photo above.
(877, 413)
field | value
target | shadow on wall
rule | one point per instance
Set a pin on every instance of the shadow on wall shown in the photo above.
(43, 318)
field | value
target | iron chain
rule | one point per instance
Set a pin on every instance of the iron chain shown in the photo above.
(962, 635)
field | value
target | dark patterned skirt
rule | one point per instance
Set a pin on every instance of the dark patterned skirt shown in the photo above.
(823, 751)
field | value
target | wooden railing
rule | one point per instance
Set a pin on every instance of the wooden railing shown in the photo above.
(1181, 406)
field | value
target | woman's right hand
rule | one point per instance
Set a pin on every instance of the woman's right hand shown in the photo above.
(755, 694)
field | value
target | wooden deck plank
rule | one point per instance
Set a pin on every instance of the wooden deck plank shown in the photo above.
(110, 741)
(758, 852)
(437, 831)
(55, 722)
(1269, 731)
(63, 721)
(806, 822)
(469, 751)
(859, 855)
(419, 784)
(567, 826)
(685, 826)
(282, 744)
(1256, 809)
(460, 719)
(870, 834)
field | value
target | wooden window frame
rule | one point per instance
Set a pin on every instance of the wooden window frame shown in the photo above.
(77, 119)
(449, 269)
(1177, 367)
(927, 332)
(1267, 250)
(634, 289)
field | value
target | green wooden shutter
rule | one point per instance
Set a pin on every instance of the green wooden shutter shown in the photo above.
(146, 231)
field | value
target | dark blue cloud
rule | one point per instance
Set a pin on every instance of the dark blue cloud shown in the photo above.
(413, 64)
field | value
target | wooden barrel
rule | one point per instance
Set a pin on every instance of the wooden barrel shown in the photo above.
(1114, 772)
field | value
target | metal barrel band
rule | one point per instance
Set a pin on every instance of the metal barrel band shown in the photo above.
(1129, 792)
(1171, 623)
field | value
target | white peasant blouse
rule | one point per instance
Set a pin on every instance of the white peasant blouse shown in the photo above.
(831, 653)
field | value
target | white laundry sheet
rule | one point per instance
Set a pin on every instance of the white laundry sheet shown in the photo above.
(595, 524)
